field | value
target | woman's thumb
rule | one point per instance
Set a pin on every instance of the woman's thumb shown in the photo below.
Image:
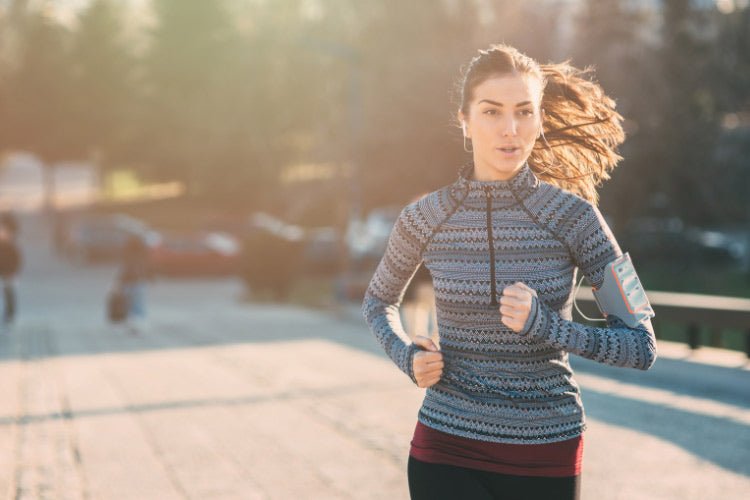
(425, 343)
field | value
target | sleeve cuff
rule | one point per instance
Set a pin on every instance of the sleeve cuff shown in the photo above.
(535, 323)
(411, 349)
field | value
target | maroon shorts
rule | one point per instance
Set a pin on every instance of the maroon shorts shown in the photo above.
(559, 459)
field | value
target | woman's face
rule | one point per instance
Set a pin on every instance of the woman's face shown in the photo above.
(503, 123)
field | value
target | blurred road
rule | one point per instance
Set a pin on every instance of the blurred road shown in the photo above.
(222, 399)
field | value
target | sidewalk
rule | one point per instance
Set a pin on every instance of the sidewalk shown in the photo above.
(229, 400)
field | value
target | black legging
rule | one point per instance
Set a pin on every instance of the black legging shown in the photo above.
(447, 482)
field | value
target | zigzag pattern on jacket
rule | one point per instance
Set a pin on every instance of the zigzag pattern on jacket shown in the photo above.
(498, 385)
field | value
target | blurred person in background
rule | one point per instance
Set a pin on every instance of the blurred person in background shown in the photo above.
(502, 415)
(10, 222)
(60, 232)
(134, 271)
(10, 265)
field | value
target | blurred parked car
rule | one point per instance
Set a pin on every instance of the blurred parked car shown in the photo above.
(322, 250)
(195, 254)
(100, 237)
(368, 238)
(720, 246)
(272, 255)
(668, 239)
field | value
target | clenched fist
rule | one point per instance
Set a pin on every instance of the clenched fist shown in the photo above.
(428, 363)
(515, 305)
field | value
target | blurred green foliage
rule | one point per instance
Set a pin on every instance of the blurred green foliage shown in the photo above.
(227, 95)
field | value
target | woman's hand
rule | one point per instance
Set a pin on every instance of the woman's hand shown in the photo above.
(515, 305)
(428, 363)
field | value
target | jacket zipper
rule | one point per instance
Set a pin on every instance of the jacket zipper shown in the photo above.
(491, 243)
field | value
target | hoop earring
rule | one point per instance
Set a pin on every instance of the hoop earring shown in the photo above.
(467, 149)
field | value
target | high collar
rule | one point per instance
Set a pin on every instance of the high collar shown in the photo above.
(502, 193)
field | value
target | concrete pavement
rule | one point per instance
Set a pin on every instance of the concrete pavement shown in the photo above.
(223, 399)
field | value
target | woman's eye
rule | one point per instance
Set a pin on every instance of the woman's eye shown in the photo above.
(526, 112)
(490, 112)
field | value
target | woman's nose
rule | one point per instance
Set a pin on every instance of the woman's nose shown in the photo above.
(509, 126)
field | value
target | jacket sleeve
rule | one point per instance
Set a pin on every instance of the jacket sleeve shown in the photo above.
(386, 290)
(593, 246)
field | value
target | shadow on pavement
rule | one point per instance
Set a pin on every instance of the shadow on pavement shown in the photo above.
(717, 383)
(715, 439)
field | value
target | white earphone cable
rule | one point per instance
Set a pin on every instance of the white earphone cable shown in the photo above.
(575, 296)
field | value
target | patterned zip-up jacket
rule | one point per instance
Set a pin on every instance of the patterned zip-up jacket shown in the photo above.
(475, 238)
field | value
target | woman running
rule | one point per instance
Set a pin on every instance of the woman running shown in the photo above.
(502, 415)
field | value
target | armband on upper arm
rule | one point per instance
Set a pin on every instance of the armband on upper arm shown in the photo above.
(622, 294)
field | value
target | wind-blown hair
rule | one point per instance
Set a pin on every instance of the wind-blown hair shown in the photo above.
(582, 130)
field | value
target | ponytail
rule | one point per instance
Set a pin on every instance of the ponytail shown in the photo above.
(582, 130)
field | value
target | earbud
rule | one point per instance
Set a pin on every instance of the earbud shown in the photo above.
(463, 126)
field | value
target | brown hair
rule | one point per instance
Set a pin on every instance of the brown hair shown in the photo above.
(581, 128)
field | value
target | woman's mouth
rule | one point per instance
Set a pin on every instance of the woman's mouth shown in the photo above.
(508, 150)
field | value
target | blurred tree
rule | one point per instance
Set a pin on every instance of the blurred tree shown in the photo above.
(612, 37)
(228, 104)
(689, 117)
(673, 90)
(412, 53)
(39, 94)
(535, 28)
(4, 144)
(8, 58)
(103, 74)
(188, 115)
(731, 58)
(285, 76)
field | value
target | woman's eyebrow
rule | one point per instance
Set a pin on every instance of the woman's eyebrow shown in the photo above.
(494, 103)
